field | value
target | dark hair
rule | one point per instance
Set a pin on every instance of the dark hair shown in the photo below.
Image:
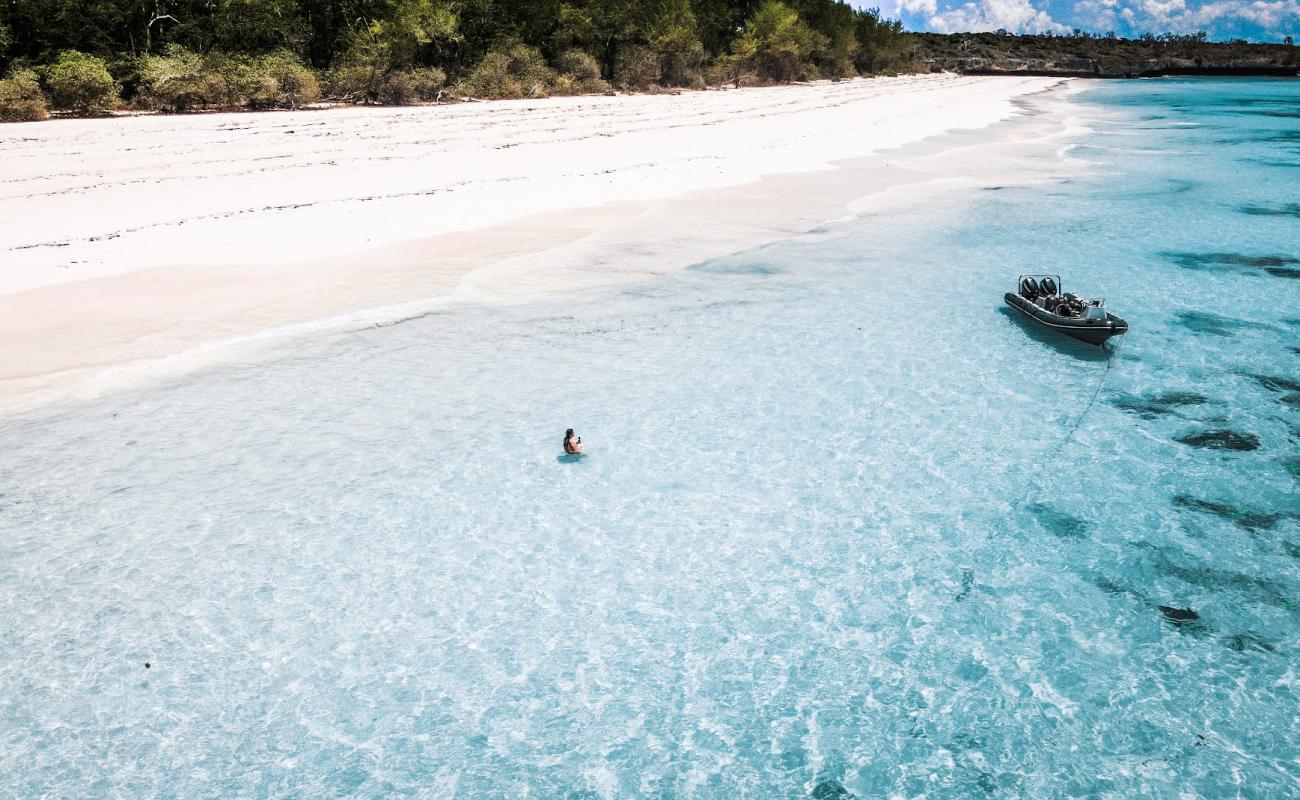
(568, 434)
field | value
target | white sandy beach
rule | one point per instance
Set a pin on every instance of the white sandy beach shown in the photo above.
(131, 242)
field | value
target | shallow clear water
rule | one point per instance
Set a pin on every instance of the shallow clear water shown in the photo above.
(843, 525)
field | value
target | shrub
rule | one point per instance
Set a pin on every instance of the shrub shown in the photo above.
(179, 80)
(579, 74)
(295, 82)
(515, 70)
(242, 80)
(272, 80)
(125, 70)
(81, 83)
(731, 69)
(357, 76)
(429, 83)
(777, 44)
(353, 83)
(636, 67)
(680, 57)
(21, 98)
(396, 89)
(375, 68)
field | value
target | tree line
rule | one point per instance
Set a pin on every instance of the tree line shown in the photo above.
(89, 55)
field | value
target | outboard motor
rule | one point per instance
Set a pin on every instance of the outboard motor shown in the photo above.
(1029, 288)
(1048, 286)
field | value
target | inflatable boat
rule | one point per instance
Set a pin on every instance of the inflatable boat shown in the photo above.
(1039, 297)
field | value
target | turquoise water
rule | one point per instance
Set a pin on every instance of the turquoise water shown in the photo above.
(843, 527)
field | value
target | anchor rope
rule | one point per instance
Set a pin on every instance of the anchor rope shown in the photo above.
(1111, 355)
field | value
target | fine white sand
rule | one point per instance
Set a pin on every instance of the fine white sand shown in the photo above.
(130, 243)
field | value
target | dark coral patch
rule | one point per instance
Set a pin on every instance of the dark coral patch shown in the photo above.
(1219, 579)
(1184, 619)
(1244, 641)
(1251, 520)
(1157, 405)
(731, 267)
(1205, 322)
(1181, 399)
(1273, 383)
(831, 790)
(1227, 260)
(1284, 210)
(1221, 439)
(1059, 523)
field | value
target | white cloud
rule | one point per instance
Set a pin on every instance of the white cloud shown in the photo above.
(1018, 16)
(1256, 19)
(1274, 18)
(925, 7)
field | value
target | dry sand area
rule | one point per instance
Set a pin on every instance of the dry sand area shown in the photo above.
(133, 245)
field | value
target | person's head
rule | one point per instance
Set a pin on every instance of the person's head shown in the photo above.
(568, 434)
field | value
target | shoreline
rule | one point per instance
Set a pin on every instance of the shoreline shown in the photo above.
(74, 340)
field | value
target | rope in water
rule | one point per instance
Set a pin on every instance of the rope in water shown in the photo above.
(1111, 355)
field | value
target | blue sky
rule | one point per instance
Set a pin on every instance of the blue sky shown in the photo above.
(1256, 20)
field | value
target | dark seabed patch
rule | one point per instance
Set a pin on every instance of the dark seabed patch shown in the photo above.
(1110, 586)
(1214, 324)
(1250, 520)
(1292, 466)
(1291, 399)
(1220, 439)
(1284, 210)
(726, 267)
(831, 790)
(1159, 404)
(1185, 620)
(1197, 260)
(1247, 641)
(1276, 265)
(1272, 382)
(1058, 523)
(1217, 580)
(967, 581)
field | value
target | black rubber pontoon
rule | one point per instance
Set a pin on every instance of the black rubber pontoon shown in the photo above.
(1088, 321)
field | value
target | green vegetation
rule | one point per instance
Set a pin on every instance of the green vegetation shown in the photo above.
(21, 98)
(1084, 54)
(87, 56)
(81, 83)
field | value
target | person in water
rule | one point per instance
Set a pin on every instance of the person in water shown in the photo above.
(572, 444)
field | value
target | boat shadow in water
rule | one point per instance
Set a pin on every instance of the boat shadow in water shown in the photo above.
(1061, 342)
